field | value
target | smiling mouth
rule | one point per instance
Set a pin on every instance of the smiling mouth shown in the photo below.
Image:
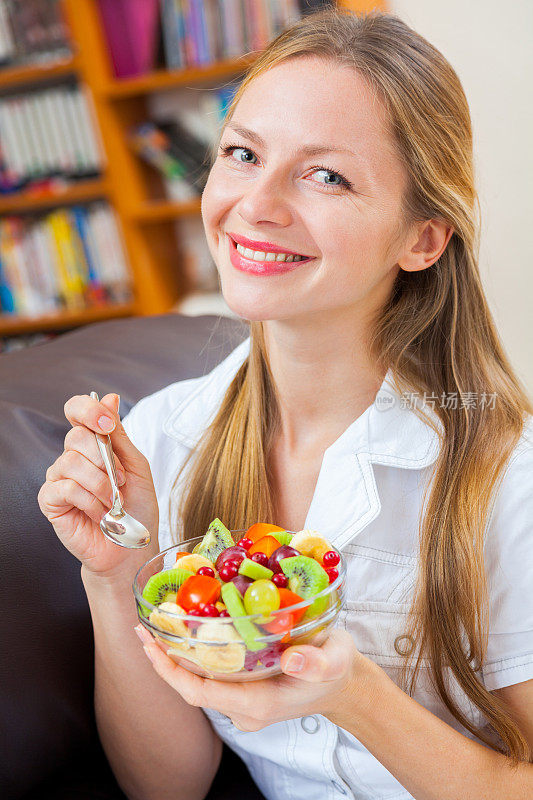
(263, 255)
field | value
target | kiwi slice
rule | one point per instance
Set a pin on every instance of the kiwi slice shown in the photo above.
(215, 540)
(251, 569)
(283, 537)
(163, 586)
(233, 600)
(306, 578)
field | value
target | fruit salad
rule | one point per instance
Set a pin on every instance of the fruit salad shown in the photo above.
(231, 605)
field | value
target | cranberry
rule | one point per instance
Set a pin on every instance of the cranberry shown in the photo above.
(245, 542)
(260, 558)
(194, 612)
(228, 571)
(331, 559)
(224, 613)
(333, 574)
(206, 571)
(209, 610)
(280, 580)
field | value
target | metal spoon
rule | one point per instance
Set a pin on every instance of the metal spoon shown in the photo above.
(118, 526)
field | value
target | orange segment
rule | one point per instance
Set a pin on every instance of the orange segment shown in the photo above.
(266, 544)
(260, 529)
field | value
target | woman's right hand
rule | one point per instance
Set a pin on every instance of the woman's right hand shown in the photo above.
(77, 492)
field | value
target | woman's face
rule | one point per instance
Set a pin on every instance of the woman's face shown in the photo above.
(339, 206)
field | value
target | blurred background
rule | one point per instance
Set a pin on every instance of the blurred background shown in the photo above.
(107, 110)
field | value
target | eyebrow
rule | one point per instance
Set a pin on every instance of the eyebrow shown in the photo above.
(308, 149)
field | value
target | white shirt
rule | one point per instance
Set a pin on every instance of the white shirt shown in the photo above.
(366, 502)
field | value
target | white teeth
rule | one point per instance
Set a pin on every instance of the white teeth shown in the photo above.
(261, 255)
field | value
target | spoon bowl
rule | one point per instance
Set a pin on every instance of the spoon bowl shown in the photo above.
(117, 525)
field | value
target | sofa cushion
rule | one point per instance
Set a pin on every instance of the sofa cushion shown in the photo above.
(46, 657)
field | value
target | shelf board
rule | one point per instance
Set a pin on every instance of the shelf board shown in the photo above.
(30, 201)
(36, 73)
(165, 210)
(13, 325)
(163, 79)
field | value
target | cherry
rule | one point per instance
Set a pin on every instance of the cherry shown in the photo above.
(209, 610)
(206, 571)
(280, 580)
(224, 613)
(260, 558)
(228, 571)
(194, 612)
(333, 574)
(245, 542)
(330, 559)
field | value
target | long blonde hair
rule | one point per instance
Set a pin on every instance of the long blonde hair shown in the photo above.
(435, 333)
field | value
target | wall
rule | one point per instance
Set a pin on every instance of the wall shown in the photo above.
(489, 44)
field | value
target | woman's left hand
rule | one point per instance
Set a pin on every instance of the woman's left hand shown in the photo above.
(315, 680)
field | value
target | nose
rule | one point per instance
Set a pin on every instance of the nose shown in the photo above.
(265, 200)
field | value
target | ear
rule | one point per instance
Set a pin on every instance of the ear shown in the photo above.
(430, 240)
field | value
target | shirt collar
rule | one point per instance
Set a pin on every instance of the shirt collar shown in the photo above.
(388, 432)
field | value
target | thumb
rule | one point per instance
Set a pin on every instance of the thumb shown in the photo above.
(330, 662)
(122, 445)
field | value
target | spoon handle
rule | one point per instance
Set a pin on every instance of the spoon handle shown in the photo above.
(106, 451)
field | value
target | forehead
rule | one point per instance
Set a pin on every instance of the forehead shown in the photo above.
(311, 100)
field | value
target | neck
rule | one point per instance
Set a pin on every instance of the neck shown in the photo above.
(324, 374)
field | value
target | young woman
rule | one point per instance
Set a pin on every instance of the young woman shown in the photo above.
(372, 402)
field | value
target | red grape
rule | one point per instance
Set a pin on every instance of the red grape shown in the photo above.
(330, 559)
(234, 553)
(280, 580)
(285, 551)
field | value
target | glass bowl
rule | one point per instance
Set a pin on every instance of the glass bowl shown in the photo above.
(225, 656)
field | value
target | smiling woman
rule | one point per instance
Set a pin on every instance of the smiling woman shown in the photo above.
(372, 402)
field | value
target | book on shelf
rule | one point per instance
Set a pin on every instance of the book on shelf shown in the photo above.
(177, 34)
(45, 135)
(32, 31)
(175, 153)
(68, 259)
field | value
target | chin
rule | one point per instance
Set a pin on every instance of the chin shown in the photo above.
(252, 305)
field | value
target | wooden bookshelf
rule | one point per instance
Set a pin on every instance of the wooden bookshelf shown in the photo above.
(15, 77)
(12, 325)
(35, 200)
(165, 210)
(163, 80)
(146, 218)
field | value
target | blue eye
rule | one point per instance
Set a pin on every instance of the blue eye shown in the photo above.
(339, 182)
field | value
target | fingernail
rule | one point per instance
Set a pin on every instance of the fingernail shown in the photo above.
(121, 478)
(143, 635)
(147, 651)
(296, 662)
(106, 424)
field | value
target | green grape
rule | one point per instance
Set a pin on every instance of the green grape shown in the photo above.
(261, 597)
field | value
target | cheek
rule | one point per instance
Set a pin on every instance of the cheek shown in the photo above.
(217, 198)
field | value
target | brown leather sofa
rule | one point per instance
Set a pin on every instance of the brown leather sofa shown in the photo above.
(48, 741)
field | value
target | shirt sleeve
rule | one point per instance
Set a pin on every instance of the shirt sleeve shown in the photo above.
(509, 567)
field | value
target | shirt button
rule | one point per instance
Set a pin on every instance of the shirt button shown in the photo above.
(401, 648)
(310, 724)
(339, 788)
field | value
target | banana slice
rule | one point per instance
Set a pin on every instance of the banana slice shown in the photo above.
(311, 543)
(172, 624)
(193, 562)
(226, 657)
